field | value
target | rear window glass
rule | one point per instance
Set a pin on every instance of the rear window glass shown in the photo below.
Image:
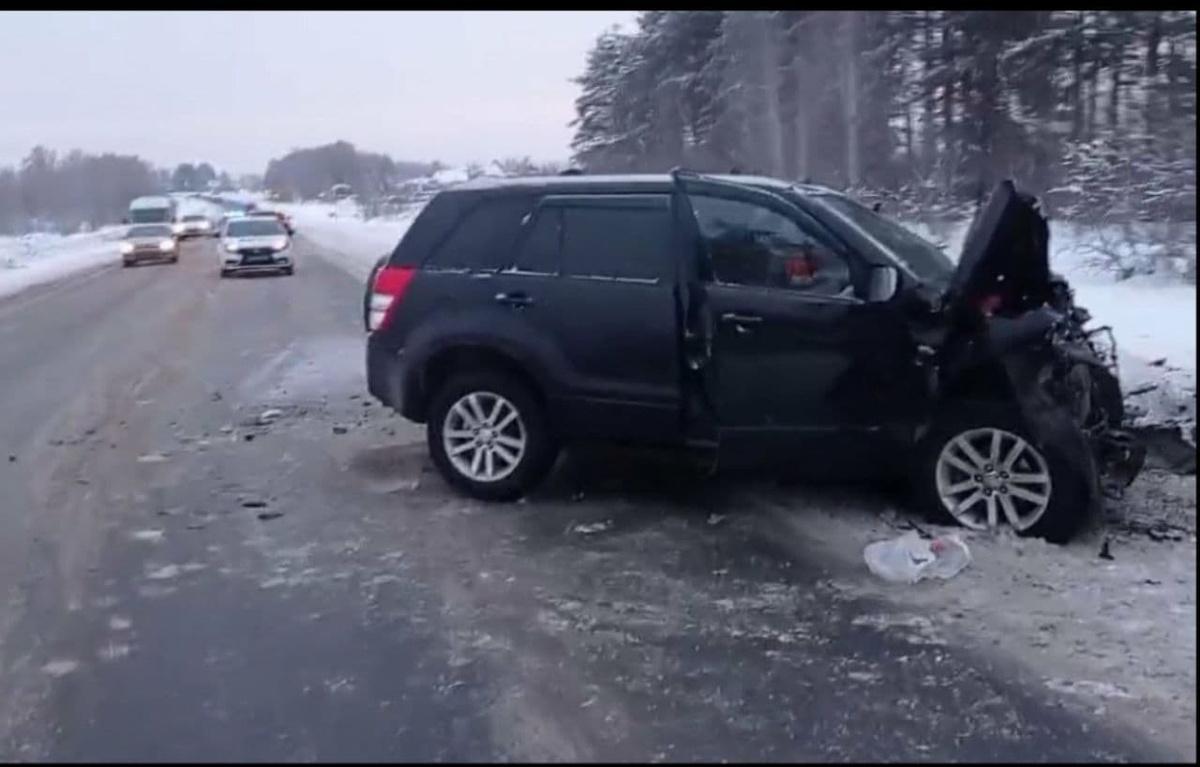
(484, 238)
(616, 241)
(537, 252)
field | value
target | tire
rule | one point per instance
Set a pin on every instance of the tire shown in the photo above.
(127, 264)
(1060, 518)
(289, 271)
(532, 463)
(174, 259)
(224, 274)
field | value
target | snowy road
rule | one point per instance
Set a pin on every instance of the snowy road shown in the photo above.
(191, 577)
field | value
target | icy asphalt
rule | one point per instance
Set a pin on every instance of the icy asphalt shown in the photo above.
(213, 547)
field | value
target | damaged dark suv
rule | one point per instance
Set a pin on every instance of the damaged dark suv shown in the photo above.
(761, 321)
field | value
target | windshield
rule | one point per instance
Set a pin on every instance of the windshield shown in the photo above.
(193, 218)
(927, 261)
(149, 231)
(149, 215)
(254, 227)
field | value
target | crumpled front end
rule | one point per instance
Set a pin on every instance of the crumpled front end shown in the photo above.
(1071, 400)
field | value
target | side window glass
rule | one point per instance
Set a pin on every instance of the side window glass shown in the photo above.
(752, 245)
(483, 239)
(537, 252)
(624, 242)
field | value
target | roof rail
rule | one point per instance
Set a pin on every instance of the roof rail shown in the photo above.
(679, 172)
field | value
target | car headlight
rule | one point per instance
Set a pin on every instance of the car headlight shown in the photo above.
(280, 244)
(176, 228)
(126, 247)
(231, 245)
(166, 245)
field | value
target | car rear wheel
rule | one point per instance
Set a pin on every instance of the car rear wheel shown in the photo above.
(981, 469)
(489, 437)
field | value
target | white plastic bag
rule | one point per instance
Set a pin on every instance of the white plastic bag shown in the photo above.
(910, 558)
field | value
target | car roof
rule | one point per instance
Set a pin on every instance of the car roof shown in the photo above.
(625, 183)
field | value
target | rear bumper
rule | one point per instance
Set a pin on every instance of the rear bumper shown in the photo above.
(385, 374)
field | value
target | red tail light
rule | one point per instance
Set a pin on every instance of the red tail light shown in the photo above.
(389, 287)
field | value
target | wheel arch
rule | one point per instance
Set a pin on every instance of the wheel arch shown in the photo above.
(442, 365)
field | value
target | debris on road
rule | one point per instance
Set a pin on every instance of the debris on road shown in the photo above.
(1106, 551)
(591, 528)
(267, 516)
(252, 503)
(340, 430)
(909, 558)
(269, 416)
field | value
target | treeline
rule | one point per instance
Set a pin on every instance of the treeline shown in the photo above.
(62, 193)
(47, 191)
(1095, 109)
(307, 173)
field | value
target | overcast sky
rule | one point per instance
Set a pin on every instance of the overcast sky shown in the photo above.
(240, 87)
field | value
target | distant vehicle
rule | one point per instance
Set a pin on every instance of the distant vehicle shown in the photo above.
(157, 209)
(758, 322)
(340, 191)
(194, 225)
(149, 242)
(255, 244)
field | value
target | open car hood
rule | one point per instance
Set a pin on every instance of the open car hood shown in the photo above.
(1006, 252)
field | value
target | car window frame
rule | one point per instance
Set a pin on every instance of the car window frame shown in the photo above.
(462, 218)
(528, 226)
(806, 223)
(652, 201)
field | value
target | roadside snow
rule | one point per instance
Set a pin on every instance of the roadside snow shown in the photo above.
(36, 259)
(1113, 634)
(346, 240)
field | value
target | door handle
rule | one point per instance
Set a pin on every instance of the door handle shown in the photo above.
(513, 299)
(741, 319)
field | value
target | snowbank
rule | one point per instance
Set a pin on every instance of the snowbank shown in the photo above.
(36, 259)
(345, 239)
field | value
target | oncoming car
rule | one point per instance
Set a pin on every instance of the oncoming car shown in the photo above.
(149, 242)
(194, 225)
(255, 244)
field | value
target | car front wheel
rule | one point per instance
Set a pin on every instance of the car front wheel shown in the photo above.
(982, 470)
(488, 436)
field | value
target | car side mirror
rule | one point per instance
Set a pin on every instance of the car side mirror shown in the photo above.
(125, 221)
(882, 283)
